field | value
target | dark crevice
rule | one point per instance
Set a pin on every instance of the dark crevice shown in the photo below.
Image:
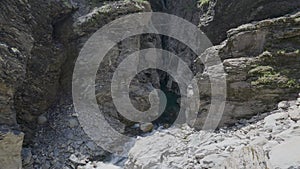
(173, 102)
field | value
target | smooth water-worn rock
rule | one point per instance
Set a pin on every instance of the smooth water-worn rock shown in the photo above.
(248, 146)
(283, 105)
(286, 155)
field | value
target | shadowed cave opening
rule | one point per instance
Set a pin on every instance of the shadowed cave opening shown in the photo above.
(171, 89)
(171, 111)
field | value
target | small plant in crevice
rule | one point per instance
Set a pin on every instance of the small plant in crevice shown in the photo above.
(203, 2)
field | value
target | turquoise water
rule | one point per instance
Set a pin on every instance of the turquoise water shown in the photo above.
(172, 107)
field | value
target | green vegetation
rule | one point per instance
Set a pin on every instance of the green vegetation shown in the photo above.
(203, 2)
(67, 4)
(276, 70)
(268, 76)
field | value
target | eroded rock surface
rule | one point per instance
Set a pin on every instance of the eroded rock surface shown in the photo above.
(217, 15)
(249, 144)
(261, 63)
(39, 44)
(10, 149)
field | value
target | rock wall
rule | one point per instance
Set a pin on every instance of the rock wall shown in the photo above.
(261, 63)
(40, 41)
(218, 16)
(16, 45)
(43, 67)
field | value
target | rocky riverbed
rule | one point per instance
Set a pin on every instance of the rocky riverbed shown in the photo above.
(267, 140)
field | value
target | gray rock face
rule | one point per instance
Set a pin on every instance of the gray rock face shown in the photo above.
(16, 42)
(30, 58)
(30, 66)
(217, 17)
(85, 26)
(260, 61)
(39, 43)
(37, 40)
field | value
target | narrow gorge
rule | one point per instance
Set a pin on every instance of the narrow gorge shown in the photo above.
(258, 43)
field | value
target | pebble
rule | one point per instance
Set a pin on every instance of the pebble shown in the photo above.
(73, 122)
(146, 127)
(42, 119)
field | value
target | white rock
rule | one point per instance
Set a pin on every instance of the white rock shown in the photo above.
(260, 141)
(157, 151)
(77, 160)
(98, 165)
(213, 160)
(294, 114)
(146, 127)
(283, 105)
(270, 121)
(286, 155)
(247, 157)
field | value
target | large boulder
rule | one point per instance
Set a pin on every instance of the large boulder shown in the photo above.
(286, 155)
(248, 157)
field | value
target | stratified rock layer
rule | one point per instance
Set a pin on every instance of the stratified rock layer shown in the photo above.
(261, 62)
(218, 16)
